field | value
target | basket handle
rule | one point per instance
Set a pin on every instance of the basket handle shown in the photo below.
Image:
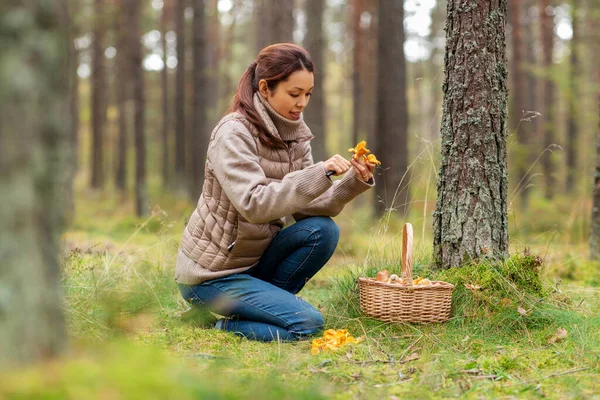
(407, 249)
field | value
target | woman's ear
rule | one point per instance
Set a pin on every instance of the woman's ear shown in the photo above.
(263, 88)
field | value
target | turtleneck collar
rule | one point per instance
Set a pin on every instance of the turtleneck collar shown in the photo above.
(285, 128)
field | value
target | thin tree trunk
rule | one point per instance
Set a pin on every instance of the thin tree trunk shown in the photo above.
(75, 119)
(357, 10)
(594, 19)
(435, 70)
(229, 80)
(274, 22)
(518, 105)
(212, 64)
(123, 88)
(180, 105)
(471, 213)
(315, 44)
(262, 18)
(98, 96)
(532, 88)
(392, 111)
(547, 34)
(369, 74)
(595, 221)
(572, 131)
(165, 17)
(141, 196)
(199, 140)
(35, 160)
(282, 21)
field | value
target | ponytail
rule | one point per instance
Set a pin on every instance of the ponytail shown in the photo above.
(243, 102)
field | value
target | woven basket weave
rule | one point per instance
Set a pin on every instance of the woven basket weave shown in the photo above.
(406, 303)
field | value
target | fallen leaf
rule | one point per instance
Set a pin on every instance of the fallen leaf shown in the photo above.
(472, 287)
(412, 357)
(522, 311)
(560, 334)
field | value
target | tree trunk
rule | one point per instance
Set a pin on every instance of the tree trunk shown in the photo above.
(229, 80)
(123, 88)
(35, 160)
(98, 96)
(212, 45)
(547, 34)
(165, 17)
(595, 222)
(315, 44)
(274, 22)
(357, 10)
(532, 89)
(141, 196)
(470, 218)
(435, 70)
(180, 131)
(518, 105)
(282, 21)
(392, 112)
(75, 118)
(572, 132)
(199, 140)
(262, 18)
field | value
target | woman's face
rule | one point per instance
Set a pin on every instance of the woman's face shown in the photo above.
(291, 96)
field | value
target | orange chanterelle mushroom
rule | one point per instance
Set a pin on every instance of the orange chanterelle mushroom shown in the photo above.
(361, 151)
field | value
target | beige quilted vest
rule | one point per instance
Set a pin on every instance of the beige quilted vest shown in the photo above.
(217, 240)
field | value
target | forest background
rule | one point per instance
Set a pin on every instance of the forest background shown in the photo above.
(150, 81)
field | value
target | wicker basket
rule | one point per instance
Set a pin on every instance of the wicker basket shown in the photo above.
(406, 303)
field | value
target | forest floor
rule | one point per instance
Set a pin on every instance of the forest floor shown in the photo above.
(530, 331)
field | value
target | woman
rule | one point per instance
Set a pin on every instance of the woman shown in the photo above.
(235, 259)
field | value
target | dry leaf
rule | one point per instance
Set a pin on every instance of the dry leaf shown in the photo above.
(522, 311)
(560, 334)
(472, 287)
(412, 357)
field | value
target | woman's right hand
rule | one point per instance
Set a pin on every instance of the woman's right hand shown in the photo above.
(338, 164)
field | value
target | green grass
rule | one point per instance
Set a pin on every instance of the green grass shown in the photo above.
(128, 341)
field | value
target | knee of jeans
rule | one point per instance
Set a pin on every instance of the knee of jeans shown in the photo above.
(311, 324)
(328, 230)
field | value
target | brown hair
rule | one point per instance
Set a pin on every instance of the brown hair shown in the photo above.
(275, 63)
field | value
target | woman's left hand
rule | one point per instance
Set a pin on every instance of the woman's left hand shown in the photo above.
(364, 170)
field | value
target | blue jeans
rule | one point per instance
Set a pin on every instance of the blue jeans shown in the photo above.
(261, 301)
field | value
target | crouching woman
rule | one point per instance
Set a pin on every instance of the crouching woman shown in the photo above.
(236, 258)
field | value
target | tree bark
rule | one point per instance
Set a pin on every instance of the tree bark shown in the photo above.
(212, 45)
(471, 218)
(595, 221)
(35, 160)
(532, 88)
(282, 21)
(141, 196)
(180, 122)
(572, 131)
(357, 10)
(274, 22)
(165, 17)
(123, 89)
(435, 70)
(199, 140)
(315, 44)
(98, 96)
(518, 103)
(547, 34)
(392, 112)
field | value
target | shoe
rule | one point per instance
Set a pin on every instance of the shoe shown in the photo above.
(198, 316)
